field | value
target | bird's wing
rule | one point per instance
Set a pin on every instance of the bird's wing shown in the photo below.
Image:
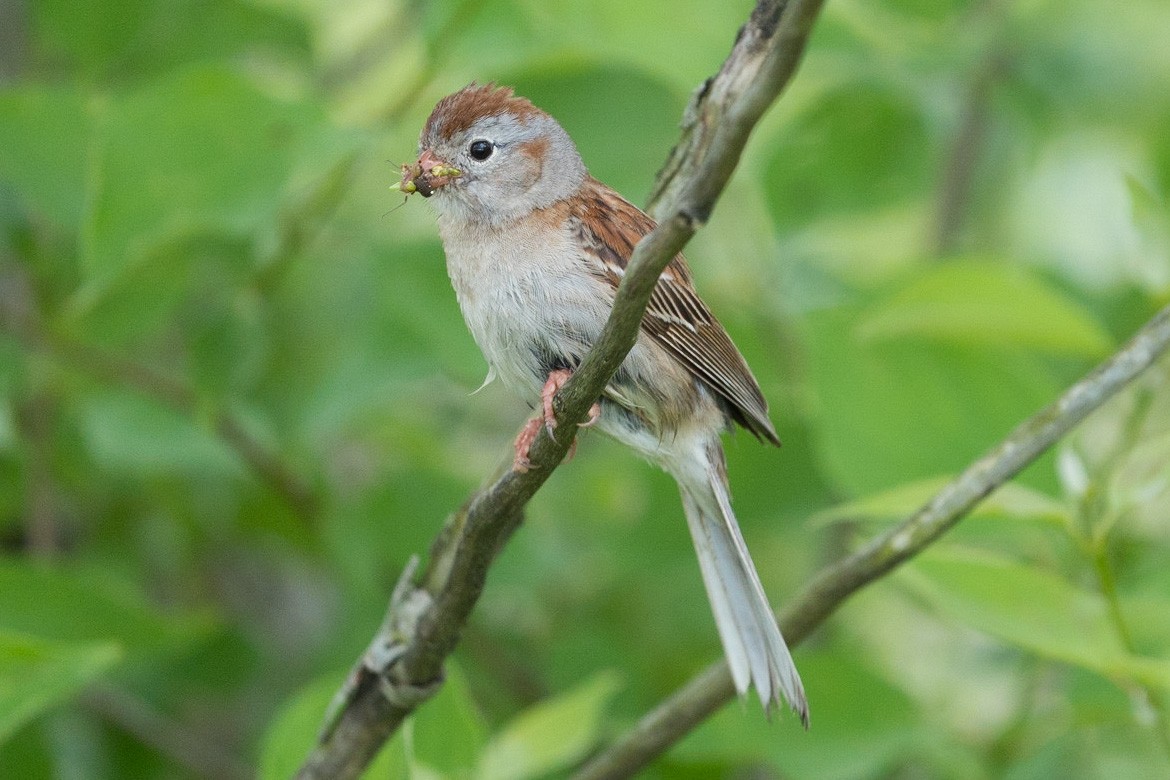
(609, 226)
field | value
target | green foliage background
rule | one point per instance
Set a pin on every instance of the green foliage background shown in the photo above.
(234, 386)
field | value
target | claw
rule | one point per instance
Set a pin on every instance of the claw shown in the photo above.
(547, 419)
(523, 443)
(594, 416)
(556, 380)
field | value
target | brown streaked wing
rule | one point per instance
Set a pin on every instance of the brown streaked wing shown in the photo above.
(676, 317)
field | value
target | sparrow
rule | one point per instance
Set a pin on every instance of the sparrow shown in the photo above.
(536, 248)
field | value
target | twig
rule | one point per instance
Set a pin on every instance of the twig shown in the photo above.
(198, 754)
(403, 665)
(726, 107)
(954, 192)
(710, 690)
(35, 416)
(297, 494)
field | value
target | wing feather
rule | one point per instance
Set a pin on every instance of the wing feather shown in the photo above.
(609, 226)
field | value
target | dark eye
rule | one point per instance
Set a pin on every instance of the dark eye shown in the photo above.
(480, 150)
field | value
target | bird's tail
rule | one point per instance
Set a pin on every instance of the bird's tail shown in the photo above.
(755, 650)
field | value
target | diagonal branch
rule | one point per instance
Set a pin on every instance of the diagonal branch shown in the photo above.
(711, 689)
(403, 665)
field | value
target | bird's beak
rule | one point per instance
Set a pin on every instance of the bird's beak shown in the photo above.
(426, 175)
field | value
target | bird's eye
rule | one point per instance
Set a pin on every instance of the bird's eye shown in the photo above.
(480, 150)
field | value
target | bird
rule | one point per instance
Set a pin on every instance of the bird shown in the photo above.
(535, 249)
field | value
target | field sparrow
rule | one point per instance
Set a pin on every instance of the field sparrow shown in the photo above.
(535, 249)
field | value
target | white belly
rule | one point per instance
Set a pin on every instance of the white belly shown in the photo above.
(519, 299)
(530, 306)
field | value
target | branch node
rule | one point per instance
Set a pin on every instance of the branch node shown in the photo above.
(695, 217)
(408, 603)
(407, 695)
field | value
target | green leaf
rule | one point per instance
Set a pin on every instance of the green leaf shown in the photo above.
(201, 270)
(74, 606)
(447, 733)
(171, 163)
(1018, 603)
(43, 156)
(1140, 483)
(1032, 609)
(550, 735)
(1151, 220)
(860, 724)
(293, 732)
(856, 147)
(636, 33)
(1010, 500)
(895, 411)
(130, 434)
(981, 303)
(139, 38)
(35, 675)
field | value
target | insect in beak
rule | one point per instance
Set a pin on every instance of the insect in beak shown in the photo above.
(426, 175)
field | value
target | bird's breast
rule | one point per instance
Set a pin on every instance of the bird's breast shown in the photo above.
(526, 298)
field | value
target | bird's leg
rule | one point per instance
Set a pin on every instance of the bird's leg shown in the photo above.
(547, 418)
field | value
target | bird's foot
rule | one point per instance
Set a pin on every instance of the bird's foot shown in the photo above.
(523, 443)
(548, 419)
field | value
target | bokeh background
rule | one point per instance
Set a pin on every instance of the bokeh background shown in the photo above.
(235, 388)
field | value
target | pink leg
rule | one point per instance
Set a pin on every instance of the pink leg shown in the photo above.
(556, 380)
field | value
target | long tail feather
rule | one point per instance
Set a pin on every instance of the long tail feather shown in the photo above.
(755, 650)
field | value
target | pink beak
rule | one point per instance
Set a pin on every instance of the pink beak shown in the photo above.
(432, 173)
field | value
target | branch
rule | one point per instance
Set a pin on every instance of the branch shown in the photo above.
(403, 665)
(726, 107)
(200, 754)
(954, 192)
(711, 689)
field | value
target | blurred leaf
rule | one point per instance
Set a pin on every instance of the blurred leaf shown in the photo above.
(292, 734)
(936, 10)
(1031, 608)
(1010, 500)
(550, 735)
(447, 733)
(140, 37)
(1151, 219)
(894, 411)
(67, 605)
(983, 303)
(1141, 480)
(861, 724)
(1054, 619)
(1113, 752)
(35, 675)
(199, 270)
(858, 147)
(169, 165)
(133, 435)
(46, 132)
(636, 33)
